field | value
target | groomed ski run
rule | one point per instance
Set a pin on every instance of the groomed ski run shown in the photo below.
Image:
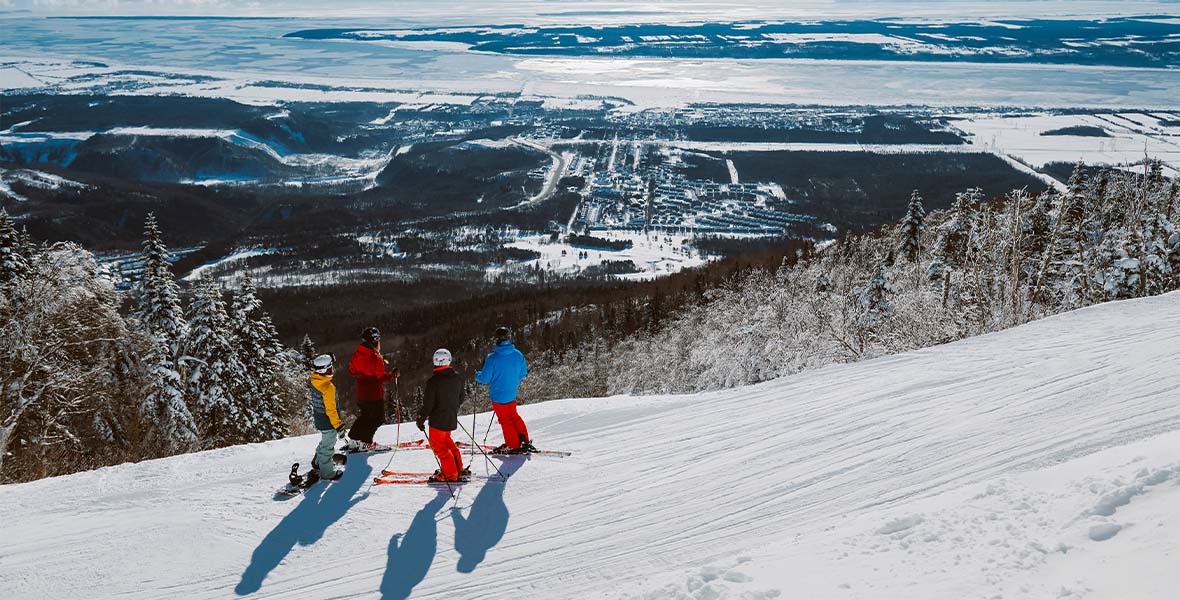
(1039, 462)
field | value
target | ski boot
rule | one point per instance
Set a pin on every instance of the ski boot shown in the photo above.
(311, 478)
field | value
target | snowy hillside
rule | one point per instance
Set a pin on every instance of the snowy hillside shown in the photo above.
(1040, 462)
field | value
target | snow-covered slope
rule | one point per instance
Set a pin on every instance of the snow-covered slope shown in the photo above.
(1040, 462)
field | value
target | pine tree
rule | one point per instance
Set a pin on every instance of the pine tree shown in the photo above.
(1068, 272)
(874, 298)
(307, 350)
(160, 318)
(1036, 230)
(214, 369)
(910, 246)
(158, 295)
(261, 354)
(27, 247)
(14, 263)
(957, 233)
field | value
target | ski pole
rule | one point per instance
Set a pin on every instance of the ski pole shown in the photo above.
(488, 432)
(397, 440)
(485, 454)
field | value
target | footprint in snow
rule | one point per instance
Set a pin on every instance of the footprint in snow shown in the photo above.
(900, 524)
(1104, 531)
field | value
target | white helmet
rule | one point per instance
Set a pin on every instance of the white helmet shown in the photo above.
(442, 357)
(322, 364)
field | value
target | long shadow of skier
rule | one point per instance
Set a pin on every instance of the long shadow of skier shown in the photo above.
(411, 553)
(322, 505)
(486, 522)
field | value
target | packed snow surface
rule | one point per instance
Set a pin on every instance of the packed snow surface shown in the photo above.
(1037, 140)
(1039, 462)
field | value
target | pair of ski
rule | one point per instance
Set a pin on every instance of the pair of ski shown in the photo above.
(423, 478)
(421, 445)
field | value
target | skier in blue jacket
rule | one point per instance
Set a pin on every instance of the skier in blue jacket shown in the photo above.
(502, 372)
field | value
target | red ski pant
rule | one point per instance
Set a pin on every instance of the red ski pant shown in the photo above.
(511, 423)
(449, 459)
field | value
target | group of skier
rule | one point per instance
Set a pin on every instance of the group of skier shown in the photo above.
(502, 372)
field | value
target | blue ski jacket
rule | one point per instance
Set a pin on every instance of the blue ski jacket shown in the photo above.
(502, 372)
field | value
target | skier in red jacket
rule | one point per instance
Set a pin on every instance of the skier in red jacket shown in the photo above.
(368, 367)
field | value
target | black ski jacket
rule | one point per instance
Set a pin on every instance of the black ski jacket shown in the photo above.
(441, 400)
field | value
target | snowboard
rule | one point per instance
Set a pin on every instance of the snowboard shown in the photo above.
(297, 484)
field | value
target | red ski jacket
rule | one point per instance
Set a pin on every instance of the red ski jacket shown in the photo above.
(369, 370)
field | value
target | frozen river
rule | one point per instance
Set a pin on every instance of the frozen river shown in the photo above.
(248, 51)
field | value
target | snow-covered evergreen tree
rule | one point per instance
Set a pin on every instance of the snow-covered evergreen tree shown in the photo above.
(1035, 232)
(874, 299)
(215, 371)
(159, 316)
(910, 229)
(307, 349)
(13, 259)
(27, 247)
(956, 234)
(165, 407)
(262, 358)
(157, 293)
(1066, 270)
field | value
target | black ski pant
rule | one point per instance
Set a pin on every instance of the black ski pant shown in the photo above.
(372, 416)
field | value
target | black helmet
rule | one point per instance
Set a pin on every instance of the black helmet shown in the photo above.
(371, 335)
(503, 333)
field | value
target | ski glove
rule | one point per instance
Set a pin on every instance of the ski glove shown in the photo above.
(341, 430)
(421, 424)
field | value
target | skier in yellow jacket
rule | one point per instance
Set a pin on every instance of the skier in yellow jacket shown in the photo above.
(327, 417)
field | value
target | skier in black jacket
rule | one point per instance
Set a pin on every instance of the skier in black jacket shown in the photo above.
(440, 404)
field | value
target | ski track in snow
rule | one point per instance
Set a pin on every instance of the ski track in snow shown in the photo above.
(1039, 462)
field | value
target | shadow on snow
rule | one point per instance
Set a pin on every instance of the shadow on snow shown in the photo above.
(411, 553)
(486, 521)
(321, 506)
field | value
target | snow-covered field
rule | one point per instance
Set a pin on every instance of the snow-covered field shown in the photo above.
(33, 178)
(654, 255)
(1128, 137)
(1040, 462)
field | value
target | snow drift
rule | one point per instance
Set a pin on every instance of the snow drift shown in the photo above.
(1038, 462)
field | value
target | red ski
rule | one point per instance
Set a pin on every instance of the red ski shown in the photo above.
(468, 445)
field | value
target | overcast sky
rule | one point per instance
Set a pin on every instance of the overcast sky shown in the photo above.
(353, 8)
